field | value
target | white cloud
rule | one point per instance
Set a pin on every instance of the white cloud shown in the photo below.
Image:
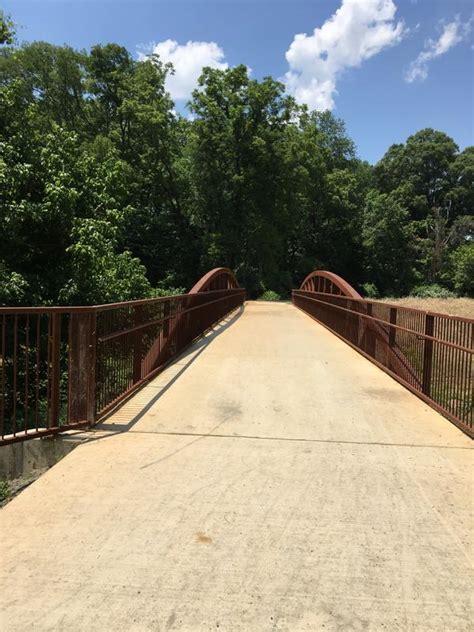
(358, 30)
(453, 33)
(188, 61)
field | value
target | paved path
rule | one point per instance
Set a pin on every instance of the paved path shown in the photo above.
(271, 479)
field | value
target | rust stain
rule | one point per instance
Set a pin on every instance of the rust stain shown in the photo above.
(203, 538)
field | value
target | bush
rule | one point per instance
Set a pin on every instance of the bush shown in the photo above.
(462, 264)
(270, 295)
(99, 272)
(431, 291)
(13, 287)
(4, 491)
(159, 292)
(370, 290)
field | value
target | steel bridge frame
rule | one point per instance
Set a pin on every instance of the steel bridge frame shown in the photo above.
(429, 353)
(64, 368)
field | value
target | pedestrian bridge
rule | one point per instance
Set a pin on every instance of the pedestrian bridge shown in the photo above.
(269, 478)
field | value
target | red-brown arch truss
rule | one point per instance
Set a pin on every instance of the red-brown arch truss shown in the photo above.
(328, 283)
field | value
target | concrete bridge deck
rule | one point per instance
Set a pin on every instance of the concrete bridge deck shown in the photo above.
(271, 479)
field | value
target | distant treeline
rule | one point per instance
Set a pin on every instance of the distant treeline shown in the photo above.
(107, 194)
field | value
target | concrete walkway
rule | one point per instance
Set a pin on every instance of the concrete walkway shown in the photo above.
(271, 479)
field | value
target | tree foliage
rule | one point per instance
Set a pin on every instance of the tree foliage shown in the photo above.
(7, 29)
(107, 194)
(434, 182)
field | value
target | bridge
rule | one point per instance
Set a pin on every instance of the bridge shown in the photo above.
(245, 466)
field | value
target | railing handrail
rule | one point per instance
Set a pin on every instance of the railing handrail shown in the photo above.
(88, 309)
(63, 367)
(430, 353)
(387, 322)
(159, 321)
(397, 306)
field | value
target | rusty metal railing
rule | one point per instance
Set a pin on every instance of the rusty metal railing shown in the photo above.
(62, 368)
(429, 353)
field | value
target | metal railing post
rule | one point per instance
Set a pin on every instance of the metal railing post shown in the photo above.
(82, 367)
(137, 345)
(369, 332)
(392, 332)
(55, 360)
(91, 390)
(427, 355)
(166, 323)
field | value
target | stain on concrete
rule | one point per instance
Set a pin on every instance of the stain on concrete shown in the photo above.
(203, 538)
(171, 620)
(228, 408)
(387, 394)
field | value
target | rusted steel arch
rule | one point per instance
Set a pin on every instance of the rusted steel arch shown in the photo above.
(430, 354)
(223, 284)
(324, 282)
(108, 352)
(216, 279)
(329, 283)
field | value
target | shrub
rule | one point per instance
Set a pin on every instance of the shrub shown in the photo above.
(462, 263)
(370, 290)
(270, 295)
(13, 287)
(431, 291)
(4, 490)
(159, 292)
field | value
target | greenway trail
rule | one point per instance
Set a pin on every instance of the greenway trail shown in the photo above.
(270, 479)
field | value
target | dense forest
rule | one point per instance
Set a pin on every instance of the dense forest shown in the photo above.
(107, 193)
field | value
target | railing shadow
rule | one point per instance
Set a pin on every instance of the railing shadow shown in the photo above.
(108, 427)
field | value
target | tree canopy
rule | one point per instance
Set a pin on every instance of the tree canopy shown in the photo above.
(106, 193)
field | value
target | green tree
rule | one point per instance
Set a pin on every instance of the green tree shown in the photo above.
(238, 167)
(461, 175)
(327, 187)
(89, 136)
(387, 242)
(462, 269)
(106, 193)
(429, 178)
(99, 272)
(13, 287)
(7, 29)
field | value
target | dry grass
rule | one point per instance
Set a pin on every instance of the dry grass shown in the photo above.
(453, 306)
(452, 370)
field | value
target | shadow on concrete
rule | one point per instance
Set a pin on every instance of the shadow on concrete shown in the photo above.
(184, 359)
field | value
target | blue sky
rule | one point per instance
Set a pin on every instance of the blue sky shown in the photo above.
(387, 67)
